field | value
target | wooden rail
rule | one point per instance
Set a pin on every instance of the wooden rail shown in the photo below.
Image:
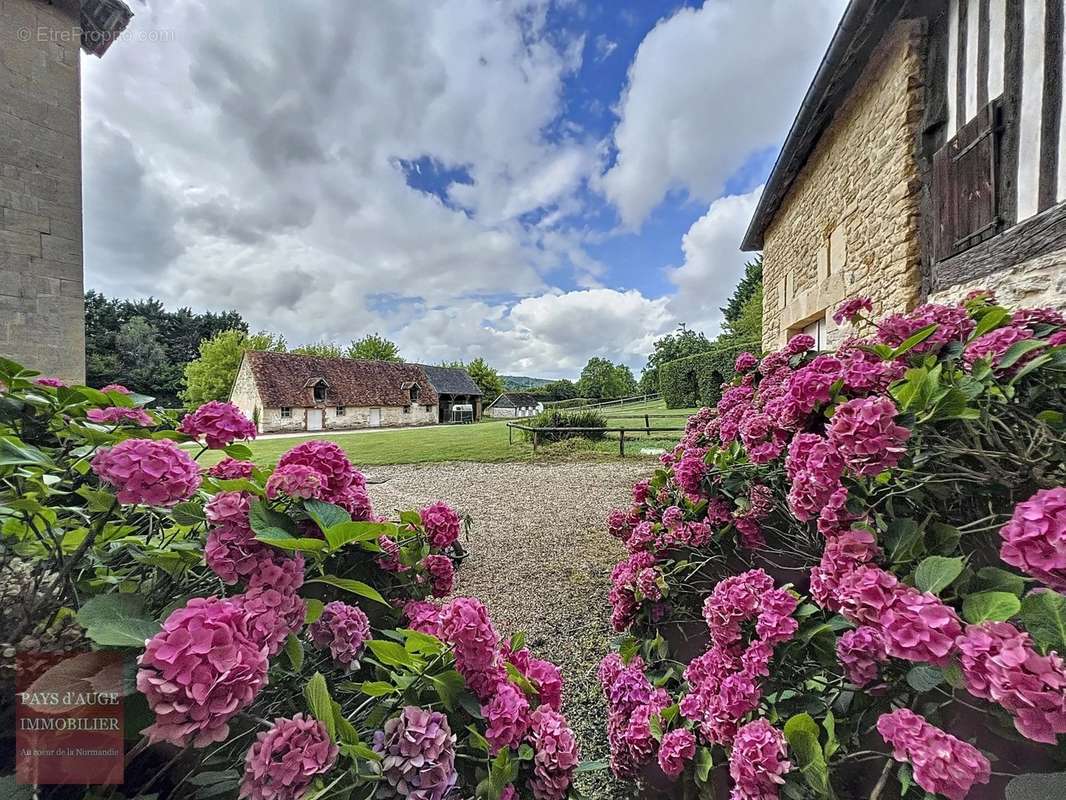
(647, 429)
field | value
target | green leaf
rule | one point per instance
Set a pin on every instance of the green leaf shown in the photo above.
(936, 573)
(294, 649)
(1030, 366)
(520, 680)
(994, 579)
(276, 537)
(98, 501)
(953, 675)
(1037, 787)
(320, 704)
(802, 733)
(984, 606)
(326, 515)
(913, 341)
(905, 775)
(241, 452)
(262, 517)
(704, 763)
(117, 620)
(596, 765)
(347, 532)
(188, 513)
(314, 608)
(391, 654)
(450, 687)
(1017, 350)
(14, 451)
(1044, 616)
(991, 319)
(924, 677)
(831, 743)
(904, 539)
(377, 688)
(418, 642)
(353, 586)
(140, 399)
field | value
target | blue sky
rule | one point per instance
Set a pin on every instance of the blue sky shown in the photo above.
(531, 181)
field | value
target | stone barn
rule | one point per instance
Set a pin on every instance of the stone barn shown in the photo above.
(928, 159)
(454, 387)
(514, 404)
(290, 392)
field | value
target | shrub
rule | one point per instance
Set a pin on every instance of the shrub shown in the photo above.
(554, 418)
(285, 635)
(696, 380)
(856, 558)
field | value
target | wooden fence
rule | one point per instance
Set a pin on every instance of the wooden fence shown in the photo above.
(647, 430)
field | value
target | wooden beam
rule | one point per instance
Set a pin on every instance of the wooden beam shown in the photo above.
(960, 66)
(1036, 236)
(1052, 106)
(982, 54)
(1007, 179)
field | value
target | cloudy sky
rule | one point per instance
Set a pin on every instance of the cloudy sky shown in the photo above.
(533, 181)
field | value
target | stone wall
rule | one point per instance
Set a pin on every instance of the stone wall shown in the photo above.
(245, 394)
(849, 224)
(1036, 283)
(42, 314)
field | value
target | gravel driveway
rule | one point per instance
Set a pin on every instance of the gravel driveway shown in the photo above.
(540, 559)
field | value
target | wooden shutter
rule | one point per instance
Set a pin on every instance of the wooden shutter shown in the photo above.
(965, 202)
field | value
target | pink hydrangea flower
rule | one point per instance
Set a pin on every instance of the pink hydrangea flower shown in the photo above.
(992, 346)
(758, 761)
(418, 755)
(814, 466)
(627, 690)
(800, 343)
(465, 623)
(270, 615)
(389, 560)
(49, 382)
(843, 554)
(640, 491)
(860, 652)
(942, 763)
(155, 472)
(228, 508)
(507, 714)
(689, 472)
(199, 671)
(954, 324)
(423, 616)
(1057, 339)
(555, 754)
(441, 573)
(117, 415)
(547, 679)
(344, 629)
(1035, 538)
(677, 748)
(865, 434)
(231, 468)
(329, 460)
(294, 480)
(851, 310)
(284, 760)
(1030, 317)
(115, 387)
(221, 424)
(834, 518)
(441, 523)
(1000, 664)
(745, 362)
(233, 553)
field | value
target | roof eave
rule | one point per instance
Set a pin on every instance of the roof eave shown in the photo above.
(831, 84)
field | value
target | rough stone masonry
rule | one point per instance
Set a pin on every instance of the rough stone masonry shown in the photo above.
(42, 314)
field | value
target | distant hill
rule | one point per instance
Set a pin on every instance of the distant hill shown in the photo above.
(514, 383)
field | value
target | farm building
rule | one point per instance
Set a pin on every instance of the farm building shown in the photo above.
(928, 159)
(290, 392)
(455, 390)
(514, 404)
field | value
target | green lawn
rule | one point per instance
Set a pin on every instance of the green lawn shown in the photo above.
(485, 442)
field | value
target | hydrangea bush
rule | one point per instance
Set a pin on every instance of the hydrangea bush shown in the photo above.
(846, 580)
(285, 639)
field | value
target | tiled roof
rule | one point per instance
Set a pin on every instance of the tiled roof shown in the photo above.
(451, 380)
(515, 400)
(288, 379)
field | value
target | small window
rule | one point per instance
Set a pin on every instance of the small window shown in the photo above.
(407, 409)
(341, 411)
(320, 392)
(414, 393)
(286, 412)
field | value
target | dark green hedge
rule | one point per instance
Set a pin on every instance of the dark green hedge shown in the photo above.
(697, 380)
(553, 418)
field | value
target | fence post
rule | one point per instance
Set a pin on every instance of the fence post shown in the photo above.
(622, 442)
(534, 441)
(510, 434)
(647, 425)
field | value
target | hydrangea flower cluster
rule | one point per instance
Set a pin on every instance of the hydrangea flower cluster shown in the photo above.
(441, 574)
(344, 629)
(417, 751)
(508, 717)
(285, 759)
(200, 670)
(117, 415)
(631, 702)
(153, 472)
(999, 664)
(1035, 538)
(866, 436)
(233, 553)
(555, 754)
(758, 762)
(441, 524)
(230, 468)
(335, 479)
(942, 763)
(851, 310)
(115, 387)
(992, 346)
(954, 324)
(636, 574)
(675, 750)
(220, 424)
(861, 652)
(50, 382)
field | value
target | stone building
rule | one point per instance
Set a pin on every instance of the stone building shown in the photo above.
(454, 387)
(928, 159)
(291, 392)
(42, 313)
(514, 404)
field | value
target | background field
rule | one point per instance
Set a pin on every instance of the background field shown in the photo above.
(484, 442)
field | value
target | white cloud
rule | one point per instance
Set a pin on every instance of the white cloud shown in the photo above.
(713, 262)
(708, 88)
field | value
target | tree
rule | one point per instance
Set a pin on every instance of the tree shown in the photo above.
(374, 348)
(558, 390)
(751, 281)
(487, 379)
(320, 349)
(210, 376)
(142, 358)
(679, 344)
(601, 379)
(748, 323)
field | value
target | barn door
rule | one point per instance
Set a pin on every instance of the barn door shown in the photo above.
(314, 419)
(375, 418)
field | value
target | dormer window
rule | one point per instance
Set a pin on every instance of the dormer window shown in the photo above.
(414, 391)
(319, 392)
